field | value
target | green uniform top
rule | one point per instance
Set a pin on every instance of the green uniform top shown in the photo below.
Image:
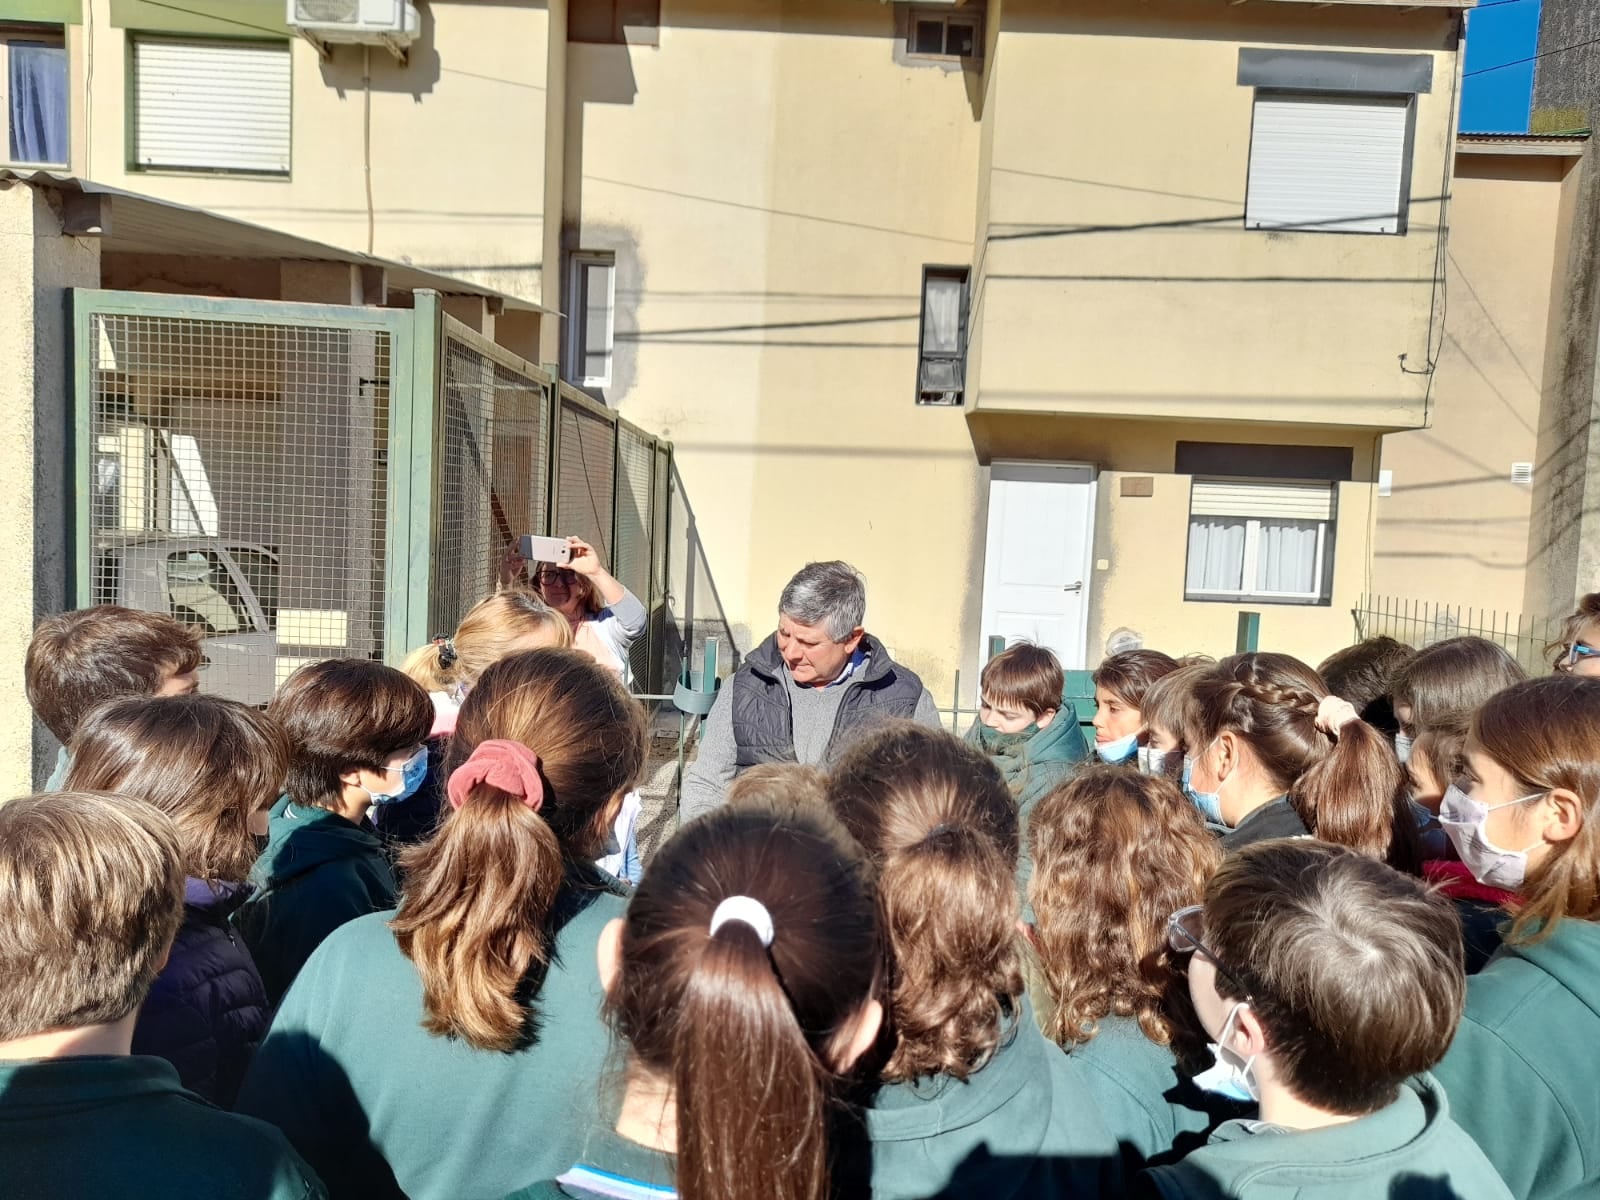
(1521, 1071)
(1153, 1110)
(1034, 768)
(75, 1128)
(379, 1105)
(318, 871)
(1410, 1149)
(1021, 1126)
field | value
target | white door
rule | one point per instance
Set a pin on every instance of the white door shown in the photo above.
(1036, 571)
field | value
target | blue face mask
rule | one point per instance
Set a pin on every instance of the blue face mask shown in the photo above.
(1231, 1076)
(412, 772)
(1209, 803)
(1119, 751)
(1402, 748)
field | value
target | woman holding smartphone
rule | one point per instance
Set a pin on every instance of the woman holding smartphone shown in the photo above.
(605, 618)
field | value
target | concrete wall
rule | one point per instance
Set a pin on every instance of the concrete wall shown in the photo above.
(768, 283)
(1455, 527)
(457, 143)
(1118, 277)
(37, 265)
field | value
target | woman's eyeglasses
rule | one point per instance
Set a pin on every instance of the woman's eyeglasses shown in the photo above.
(1184, 928)
(1578, 652)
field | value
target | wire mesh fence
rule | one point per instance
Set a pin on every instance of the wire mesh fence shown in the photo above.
(493, 470)
(237, 482)
(1421, 623)
(301, 481)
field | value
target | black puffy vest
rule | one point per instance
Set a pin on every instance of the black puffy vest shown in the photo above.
(763, 729)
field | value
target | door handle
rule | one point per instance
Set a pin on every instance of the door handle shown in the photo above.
(1073, 587)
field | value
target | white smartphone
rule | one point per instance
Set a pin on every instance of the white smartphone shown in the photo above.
(545, 549)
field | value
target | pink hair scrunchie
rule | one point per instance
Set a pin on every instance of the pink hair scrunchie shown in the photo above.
(509, 766)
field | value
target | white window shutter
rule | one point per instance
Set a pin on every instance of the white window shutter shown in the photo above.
(1327, 163)
(1268, 501)
(221, 106)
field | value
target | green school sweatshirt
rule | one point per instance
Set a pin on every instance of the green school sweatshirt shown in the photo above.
(1521, 1071)
(362, 1089)
(1020, 1127)
(1410, 1150)
(75, 1128)
(1154, 1111)
(318, 871)
(1033, 769)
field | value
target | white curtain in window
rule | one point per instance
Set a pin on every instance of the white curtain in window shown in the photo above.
(38, 89)
(1216, 554)
(597, 322)
(941, 316)
(1286, 558)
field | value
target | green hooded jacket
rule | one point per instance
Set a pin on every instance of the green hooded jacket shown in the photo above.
(318, 871)
(1410, 1149)
(1521, 1073)
(1155, 1112)
(1019, 1128)
(1032, 769)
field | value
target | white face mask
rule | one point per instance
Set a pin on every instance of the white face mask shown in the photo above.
(1119, 751)
(1402, 748)
(1232, 1076)
(1152, 761)
(1465, 821)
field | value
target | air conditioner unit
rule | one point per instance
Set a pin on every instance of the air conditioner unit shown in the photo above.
(326, 23)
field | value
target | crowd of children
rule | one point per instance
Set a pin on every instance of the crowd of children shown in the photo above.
(1263, 930)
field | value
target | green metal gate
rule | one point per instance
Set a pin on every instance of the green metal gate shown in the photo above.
(244, 467)
(301, 481)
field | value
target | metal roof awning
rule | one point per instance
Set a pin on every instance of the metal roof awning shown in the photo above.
(139, 224)
(1561, 145)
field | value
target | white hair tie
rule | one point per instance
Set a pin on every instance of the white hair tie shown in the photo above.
(747, 911)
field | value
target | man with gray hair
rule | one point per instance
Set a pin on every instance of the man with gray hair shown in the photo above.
(804, 691)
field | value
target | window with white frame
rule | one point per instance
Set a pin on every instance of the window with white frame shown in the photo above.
(944, 33)
(592, 318)
(942, 362)
(33, 93)
(207, 105)
(1259, 541)
(1330, 163)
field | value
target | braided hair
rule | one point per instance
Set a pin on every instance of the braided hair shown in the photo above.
(1349, 790)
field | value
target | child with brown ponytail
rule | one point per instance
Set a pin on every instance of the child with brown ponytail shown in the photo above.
(1283, 758)
(741, 986)
(973, 1098)
(439, 1050)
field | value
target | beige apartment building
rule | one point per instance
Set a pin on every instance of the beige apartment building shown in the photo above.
(1082, 321)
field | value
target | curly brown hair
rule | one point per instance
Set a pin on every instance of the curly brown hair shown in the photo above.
(1114, 855)
(937, 822)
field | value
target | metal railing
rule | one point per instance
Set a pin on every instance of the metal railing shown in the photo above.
(1421, 623)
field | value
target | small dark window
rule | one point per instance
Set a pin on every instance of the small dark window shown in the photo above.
(929, 38)
(935, 34)
(942, 358)
(614, 22)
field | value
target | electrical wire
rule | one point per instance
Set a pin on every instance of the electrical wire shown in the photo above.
(1439, 303)
(1517, 62)
(366, 141)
